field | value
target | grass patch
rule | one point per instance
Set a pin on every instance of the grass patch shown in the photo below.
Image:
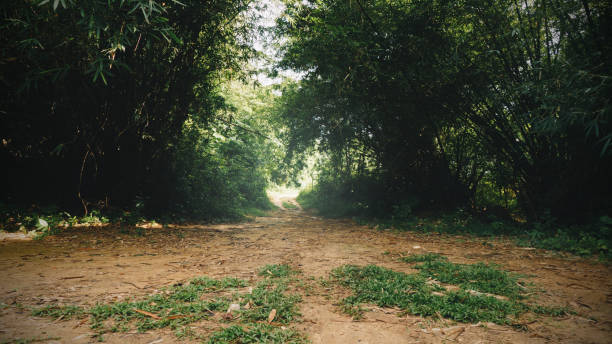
(269, 295)
(417, 294)
(174, 307)
(64, 312)
(486, 278)
(276, 271)
(420, 258)
(180, 305)
(259, 333)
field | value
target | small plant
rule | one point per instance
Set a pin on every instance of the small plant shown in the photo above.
(419, 258)
(54, 311)
(267, 297)
(180, 305)
(486, 278)
(258, 333)
(174, 307)
(276, 271)
(417, 294)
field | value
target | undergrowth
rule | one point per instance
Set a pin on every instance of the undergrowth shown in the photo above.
(41, 221)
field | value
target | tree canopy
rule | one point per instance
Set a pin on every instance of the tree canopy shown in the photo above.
(455, 103)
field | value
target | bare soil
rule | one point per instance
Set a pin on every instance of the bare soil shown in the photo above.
(85, 266)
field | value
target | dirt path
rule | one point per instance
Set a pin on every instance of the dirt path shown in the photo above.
(89, 266)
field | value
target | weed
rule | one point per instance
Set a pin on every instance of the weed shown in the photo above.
(180, 305)
(415, 294)
(355, 311)
(54, 311)
(175, 307)
(276, 271)
(419, 258)
(266, 297)
(258, 333)
(486, 278)
(552, 311)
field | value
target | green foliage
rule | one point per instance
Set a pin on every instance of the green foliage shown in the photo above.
(486, 278)
(334, 198)
(174, 307)
(276, 271)
(420, 258)
(591, 240)
(63, 312)
(258, 333)
(267, 296)
(452, 103)
(119, 103)
(414, 294)
(180, 305)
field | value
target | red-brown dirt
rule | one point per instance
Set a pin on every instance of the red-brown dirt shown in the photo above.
(86, 266)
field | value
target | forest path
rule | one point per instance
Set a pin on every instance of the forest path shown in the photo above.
(85, 266)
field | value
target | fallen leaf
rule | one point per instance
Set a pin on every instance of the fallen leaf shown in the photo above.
(149, 314)
(178, 317)
(272, 315)
(233, 307)
(453, 335)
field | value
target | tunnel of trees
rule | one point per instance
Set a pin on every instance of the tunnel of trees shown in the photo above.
(498, 107)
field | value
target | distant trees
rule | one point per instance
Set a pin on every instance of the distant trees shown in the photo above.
(446, 103)
(101, 101)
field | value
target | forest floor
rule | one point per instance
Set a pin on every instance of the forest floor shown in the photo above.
(88, 266)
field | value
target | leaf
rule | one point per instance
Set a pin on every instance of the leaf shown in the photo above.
(55, 3)
(272, 315)
(149, 314)
(178, 317)
(42, 225)
(233, 307)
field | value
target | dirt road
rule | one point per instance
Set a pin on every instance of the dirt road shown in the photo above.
(102, 265)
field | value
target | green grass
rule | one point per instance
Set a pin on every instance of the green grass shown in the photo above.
(419, 258)
(64, 312)
(417, 294)
(276, 271)
(258, 333)
(201, 298)
(269, 295)
(486, 278)
(174, 307)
